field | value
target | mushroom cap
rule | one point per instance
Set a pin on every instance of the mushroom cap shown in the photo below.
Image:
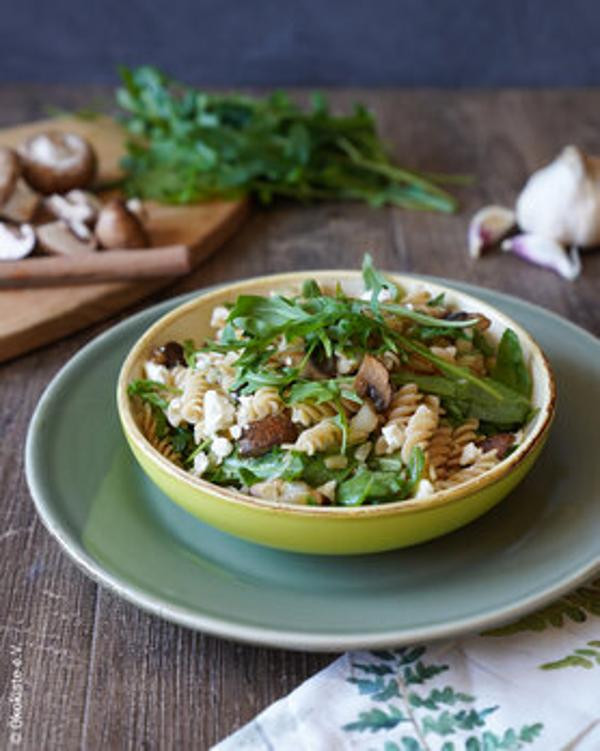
(118, 227)
(373, 380)
(55, 162)
(58, 238)
(16, 241)
(10, 169)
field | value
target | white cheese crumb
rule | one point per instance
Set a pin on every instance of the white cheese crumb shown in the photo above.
(470, 454)
(446, 353)
(219, 317)
(174, 412)
(394, 437)
(385, 295)
(200, 464)
(219, 413)
(156, 372)
(235, 431)
(221, 448)
(424, 488)
(345, 364)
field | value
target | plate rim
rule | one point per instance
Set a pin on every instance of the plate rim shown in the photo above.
(252, 633)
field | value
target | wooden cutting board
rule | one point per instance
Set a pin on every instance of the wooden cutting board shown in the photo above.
(32, 317)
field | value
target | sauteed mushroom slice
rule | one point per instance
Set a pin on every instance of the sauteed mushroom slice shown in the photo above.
(373, 381)
(260, 436)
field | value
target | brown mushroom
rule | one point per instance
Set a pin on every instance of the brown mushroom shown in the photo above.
(118, 227)
(501, 443)
(55, 162)
(16, 242)
(10, 170)
(169, 354)
(21, 204)
(373, 381)
(260, 436)
(58, 238)
(78, 209)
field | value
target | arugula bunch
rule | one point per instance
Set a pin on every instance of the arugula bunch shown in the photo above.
(189, 145)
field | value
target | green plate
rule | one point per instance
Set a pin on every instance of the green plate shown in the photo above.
(121, 530)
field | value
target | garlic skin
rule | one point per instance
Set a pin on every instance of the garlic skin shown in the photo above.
(545, 252)
(488, 226)
(561, 201)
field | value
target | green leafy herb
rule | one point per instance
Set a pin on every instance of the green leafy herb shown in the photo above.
(367, 485)
(510, 368)
(189, 145)
(150, 391)
(237, 470)
(375, 282)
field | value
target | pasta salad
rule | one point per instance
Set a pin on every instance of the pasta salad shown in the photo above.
(321, 398)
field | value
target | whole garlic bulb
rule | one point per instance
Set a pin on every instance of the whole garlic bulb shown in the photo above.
(562, 200)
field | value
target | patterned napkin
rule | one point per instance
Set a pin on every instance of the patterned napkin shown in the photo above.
(534, 684)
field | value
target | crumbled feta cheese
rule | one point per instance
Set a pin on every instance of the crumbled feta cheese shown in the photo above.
(446, 353)
(339, 461)
(394, 437)
(235, 431)
(219, 317)
(328, 489)
(345, 364)
(156, 372)
(221, 448)
(363, 451)
(174, 412)
(385, 295)
(200, 464)
(219, 413)
(424, 488)
(470, 454)
(202, 361)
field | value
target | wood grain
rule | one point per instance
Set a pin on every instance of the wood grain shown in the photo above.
(32, 317)
(98, 672)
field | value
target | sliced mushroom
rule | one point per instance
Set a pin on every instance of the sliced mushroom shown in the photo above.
(136, 206)
(260, 436)
(22, 203)
(16, 241)
(118, 227)
(10, 170)
(57, 238)
(373, 380)
(501, 443)
(78, 209)
(169, 354)
(56, 162)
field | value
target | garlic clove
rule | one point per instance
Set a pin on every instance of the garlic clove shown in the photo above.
(561, 201)
(545, 252)
(488, 226)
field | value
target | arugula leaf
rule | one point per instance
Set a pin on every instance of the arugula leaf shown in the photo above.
(237, 470)
(316, 473)
(375, 281)
(437, 301)
(150, 391)
(510, 368)
(367, 485)
(310, 288)
(416, 465)
(189, 145)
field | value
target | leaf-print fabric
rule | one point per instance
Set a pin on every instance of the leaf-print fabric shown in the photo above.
(533, 685)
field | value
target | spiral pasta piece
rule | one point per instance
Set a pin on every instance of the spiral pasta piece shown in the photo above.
(147, 424)
(419, 430)
(482, 464)
(309, 413)
(264, 402)
(192, 400)
(438, 452)
(461, 435)
(404, 404)
(321, 437)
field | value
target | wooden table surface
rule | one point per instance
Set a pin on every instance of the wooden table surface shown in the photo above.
(97, 672)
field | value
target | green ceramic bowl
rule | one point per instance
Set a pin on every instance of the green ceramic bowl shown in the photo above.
(332, 530)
